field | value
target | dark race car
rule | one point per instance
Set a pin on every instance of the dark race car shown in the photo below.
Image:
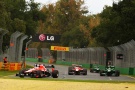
(95, 69)
(77, 70)
(109, 71)
(39, 71)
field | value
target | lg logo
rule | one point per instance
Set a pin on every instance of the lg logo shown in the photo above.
(43, 37)
(50, 38)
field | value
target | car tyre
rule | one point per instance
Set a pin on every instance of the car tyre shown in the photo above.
(55, 74)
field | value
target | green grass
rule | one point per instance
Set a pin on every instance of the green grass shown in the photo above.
(71, 80)
(28, 66)
(6, 73)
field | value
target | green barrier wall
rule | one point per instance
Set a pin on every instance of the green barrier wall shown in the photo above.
(134, 72)
(64, 63)
(32, 59)
(36, 60)
(86, 65)
(123, 70)
(100, 66)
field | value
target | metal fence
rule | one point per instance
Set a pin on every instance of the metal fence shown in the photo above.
(97, 55)
(128, 52)
(84, 55)
(94, 55)
(32, 53)
(45, 53)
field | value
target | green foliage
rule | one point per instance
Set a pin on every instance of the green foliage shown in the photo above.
(4, 15)
(64, 19)
(19, 15)
(68, 18)
(117, 24)
(19, 25)
(74, 38)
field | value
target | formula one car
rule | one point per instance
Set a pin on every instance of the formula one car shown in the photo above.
(110, 71)
(39, 71)
(95, 69)
(76, 70)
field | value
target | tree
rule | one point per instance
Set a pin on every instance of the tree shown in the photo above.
(117, 23)
(4, 15)
(64, 18)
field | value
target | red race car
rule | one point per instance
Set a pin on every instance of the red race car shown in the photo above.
(76, 70)
(39, 71)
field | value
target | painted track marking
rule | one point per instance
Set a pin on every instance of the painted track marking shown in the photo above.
(110, 78)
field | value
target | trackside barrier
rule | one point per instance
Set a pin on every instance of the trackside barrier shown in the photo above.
(123, 70)
(0, 65)
(4, 66)
(36, 60)
(18, 66)
(134, 72)
(15, 66)
(10, 66)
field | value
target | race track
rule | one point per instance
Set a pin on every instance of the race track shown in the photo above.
(63, 74)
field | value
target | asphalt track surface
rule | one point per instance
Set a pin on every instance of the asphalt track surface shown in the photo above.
(63, 74)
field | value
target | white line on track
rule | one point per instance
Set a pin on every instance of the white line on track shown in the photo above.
(109, 78)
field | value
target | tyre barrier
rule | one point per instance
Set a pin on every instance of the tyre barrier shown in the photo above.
(10, 66)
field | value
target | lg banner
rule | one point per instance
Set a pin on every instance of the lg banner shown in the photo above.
(46, 38)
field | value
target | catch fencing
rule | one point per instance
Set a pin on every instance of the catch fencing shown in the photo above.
(94, 55)
(45, 53)
(127, 51)
(32, 53)
(121, 56)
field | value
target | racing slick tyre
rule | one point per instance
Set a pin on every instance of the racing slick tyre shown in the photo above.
(85, 72)
(17, 74)
(39, 74)
(70, 71)
(91, 70)
(55, 74)
(53, 66)
(48, 74)
(117, 73)
(21, 73)
(97, 71)
(109, 74)
(101, 73)
(32, 75)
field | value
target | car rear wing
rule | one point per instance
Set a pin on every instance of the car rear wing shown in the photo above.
(76, 65)
(49, 66)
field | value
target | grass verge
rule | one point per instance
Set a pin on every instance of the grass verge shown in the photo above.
(71, 80)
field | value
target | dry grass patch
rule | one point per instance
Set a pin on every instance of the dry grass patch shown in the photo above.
(17, 84)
